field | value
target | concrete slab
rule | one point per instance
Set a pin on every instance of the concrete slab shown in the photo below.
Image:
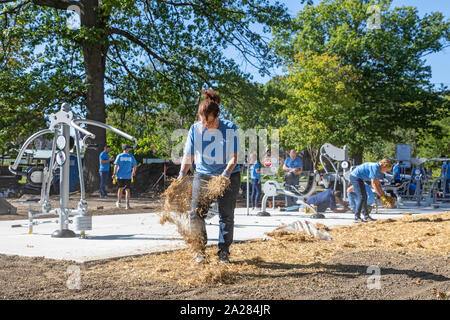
(135, 234)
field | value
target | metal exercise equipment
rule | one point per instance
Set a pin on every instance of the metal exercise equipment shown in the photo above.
(418, 178)
(438, 190)
(60, 124)
(272, 188)
(338, 158)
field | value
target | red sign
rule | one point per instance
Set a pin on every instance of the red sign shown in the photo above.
(267, 162)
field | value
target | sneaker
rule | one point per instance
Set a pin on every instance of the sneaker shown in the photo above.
(199, 258)
(369, 218)
(358, 219)
(127, 206)
(118, 204)
(224, 257)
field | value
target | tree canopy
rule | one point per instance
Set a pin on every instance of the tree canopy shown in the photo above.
(131, 53)
(391, 87)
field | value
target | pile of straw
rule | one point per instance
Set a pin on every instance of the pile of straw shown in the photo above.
(177, 207)
(287, 253)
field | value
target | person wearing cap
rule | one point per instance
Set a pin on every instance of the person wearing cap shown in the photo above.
(124, 170)
(105, 161)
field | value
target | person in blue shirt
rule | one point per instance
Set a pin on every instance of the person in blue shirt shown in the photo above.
(397, 173)
(327, 199)
(293, 167)
(105, 163)
(124, 170)
(352, 197)
(213, 145)
(368, 171)
(445, 175)
(255, 172)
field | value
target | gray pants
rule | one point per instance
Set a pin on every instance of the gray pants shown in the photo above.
(227, 204)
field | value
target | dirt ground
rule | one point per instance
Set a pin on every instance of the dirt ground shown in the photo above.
(96, 205)
(149, 202)
(405, 258)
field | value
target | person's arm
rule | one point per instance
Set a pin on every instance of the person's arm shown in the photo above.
(103, 161)
(116, 167)
(342, 203)
(186, 164)
(188, 155)
(133, 171)
(376, 185)
(231, 165)
(257, 168)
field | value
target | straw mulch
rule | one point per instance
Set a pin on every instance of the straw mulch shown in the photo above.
(289, 252)
(177, 204)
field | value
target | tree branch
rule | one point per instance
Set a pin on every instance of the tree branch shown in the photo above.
(172, 3)
(13, 10)
(57, 4)
(153, 54)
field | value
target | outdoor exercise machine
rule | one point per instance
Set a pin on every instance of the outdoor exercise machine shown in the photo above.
(438, 190)
(338, 158)
(272, 188)
(61, 123)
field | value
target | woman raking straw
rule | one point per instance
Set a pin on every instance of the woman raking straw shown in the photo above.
(213, 146)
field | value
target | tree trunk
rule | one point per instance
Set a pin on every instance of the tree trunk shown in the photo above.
(95, 65)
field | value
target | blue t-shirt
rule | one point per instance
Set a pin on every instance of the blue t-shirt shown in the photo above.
(126, 162)
(212, 149)
(297, 162)
(367, 171)
(323, 200)
(103, 166)
(254, 174)
(397, 173)
(445, 169)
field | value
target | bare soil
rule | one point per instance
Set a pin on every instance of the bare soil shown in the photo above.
(410, 256)
(96, 205)
(144, 203)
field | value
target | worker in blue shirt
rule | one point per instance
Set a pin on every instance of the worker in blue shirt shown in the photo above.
(368, 171)
(293, 167)
(327, 199)
(445, 175)
(352, 196)
(105, 163)
(255, 171)
(397, 173)
(213, 145)
(124, 170)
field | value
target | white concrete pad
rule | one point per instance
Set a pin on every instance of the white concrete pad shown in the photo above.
(134, 234)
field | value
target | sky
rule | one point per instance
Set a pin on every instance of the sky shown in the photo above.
(440, 62)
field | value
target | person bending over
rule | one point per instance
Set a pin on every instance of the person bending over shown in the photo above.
(368, 171)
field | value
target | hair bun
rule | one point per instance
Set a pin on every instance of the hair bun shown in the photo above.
(211, 95)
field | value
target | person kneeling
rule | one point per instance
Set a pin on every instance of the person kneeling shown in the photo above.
(327, 199)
